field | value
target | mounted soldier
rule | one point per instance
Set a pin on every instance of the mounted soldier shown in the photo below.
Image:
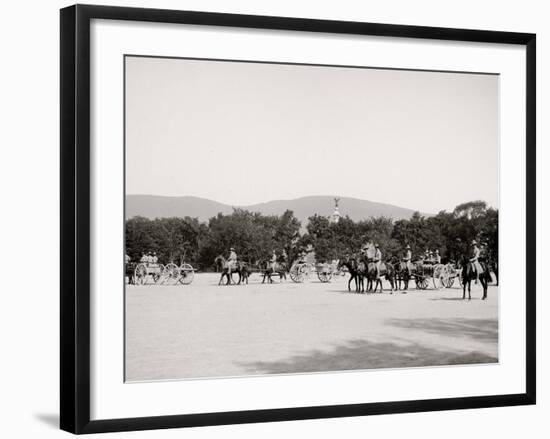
(231, 260)
(474, 259)
(407, 259)
(273, 261)
(377, 259)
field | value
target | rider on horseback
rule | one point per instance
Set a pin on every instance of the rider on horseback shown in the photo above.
(273, 261)
(407, 259)
(377, 259)
(474, 259)
(232, 260)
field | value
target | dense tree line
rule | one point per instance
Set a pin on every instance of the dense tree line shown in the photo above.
(254, 236)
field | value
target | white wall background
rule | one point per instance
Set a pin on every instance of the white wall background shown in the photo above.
(29, 248)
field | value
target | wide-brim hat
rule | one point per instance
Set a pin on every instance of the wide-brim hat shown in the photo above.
(474, 242)
(231, 248)
(408, 247)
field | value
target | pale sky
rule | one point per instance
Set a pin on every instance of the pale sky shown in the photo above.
(244, 133)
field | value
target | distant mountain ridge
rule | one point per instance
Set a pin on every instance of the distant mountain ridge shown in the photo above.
(155, 206)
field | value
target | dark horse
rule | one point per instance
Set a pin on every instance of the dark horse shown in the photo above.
(268, 271)
(130, 270)
(469, 273)
(355, 270)
(240, 268)
(402, 274)
(387, 271)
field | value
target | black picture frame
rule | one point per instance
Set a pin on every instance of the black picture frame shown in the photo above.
(75, 217)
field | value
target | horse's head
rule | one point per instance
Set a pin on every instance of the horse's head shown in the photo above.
(342, 262)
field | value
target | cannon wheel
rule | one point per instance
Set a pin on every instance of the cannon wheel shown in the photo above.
(140, 274)
(296, 274)
(187, 274)
(449, 275)
(157, 275)
(324, 276)
(421, 282)
(170, 272)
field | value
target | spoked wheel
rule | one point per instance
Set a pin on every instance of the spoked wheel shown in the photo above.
(170, 273)
(187, 274)
(448, 276)
(324, 276)
(421, 282)
(157, 273)
(448, 282)
(140, 274)
(297, 275)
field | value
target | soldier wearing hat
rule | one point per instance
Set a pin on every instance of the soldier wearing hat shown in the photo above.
(377, 259)
(273, 261)
(154, 258)
(474, 259)
(407, 259)
(232, 260)
(437, 257)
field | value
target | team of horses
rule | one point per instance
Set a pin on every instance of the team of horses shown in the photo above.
(398, 274)
(360, 268)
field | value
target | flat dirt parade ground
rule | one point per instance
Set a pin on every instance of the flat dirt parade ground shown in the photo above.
(206, 330)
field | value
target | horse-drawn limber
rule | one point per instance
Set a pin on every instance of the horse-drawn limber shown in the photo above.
(326, 271)
(149, 273)
(299, 271)
(441, 275)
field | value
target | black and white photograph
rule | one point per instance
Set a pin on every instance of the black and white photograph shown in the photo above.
(297, 218)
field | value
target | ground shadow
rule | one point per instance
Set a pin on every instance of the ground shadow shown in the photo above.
(363, 354)
(485, 330)
(49, 419)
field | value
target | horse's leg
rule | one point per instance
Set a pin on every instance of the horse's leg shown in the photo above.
(484, 284)
(463, 289)
(470, 289)
(351, 276)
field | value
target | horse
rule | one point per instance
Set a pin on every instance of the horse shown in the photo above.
(470, 273)
(387, 271)
(240, 268)
(354, 270)
(268, 271)
(402, 274)
(130, 272)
